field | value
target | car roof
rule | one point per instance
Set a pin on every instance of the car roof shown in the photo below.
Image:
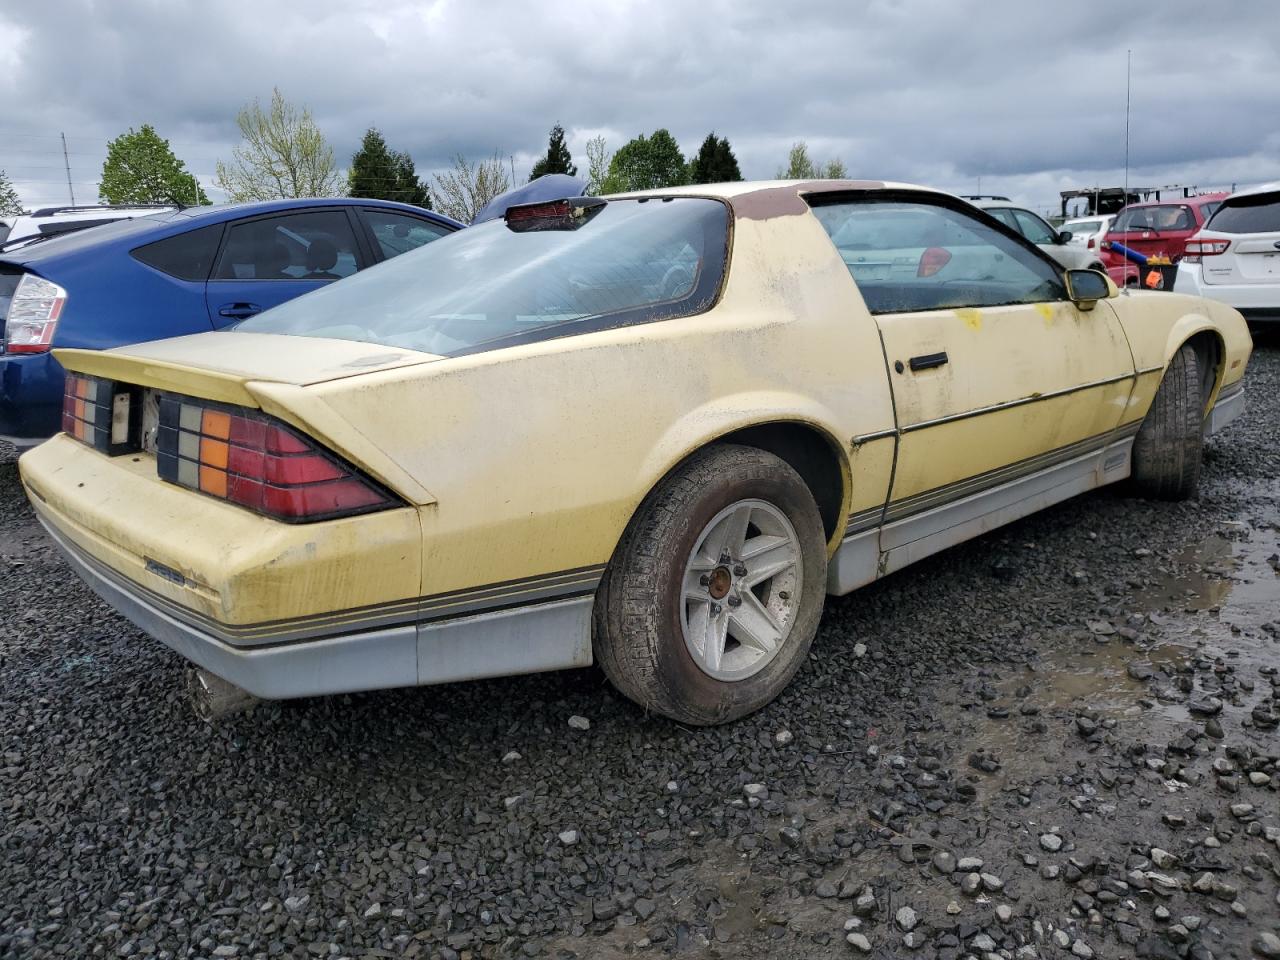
(1197, 200)
(169, 223)
(1272, 187)
(765, 199)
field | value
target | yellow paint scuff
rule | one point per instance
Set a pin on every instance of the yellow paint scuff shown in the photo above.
(972, 318)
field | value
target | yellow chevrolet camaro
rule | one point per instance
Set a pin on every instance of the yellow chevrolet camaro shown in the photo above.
(652, 430)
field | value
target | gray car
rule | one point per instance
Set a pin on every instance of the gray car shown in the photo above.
(1036, 229)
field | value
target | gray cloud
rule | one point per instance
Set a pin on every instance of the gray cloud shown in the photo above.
(1021, 95)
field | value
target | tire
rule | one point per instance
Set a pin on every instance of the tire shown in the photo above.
(647, 630)
(1170, 442)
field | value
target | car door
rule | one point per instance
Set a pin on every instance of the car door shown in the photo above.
(997, 378)
(393, 232)
(269, 259)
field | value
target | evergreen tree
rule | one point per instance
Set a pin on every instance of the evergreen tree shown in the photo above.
(646, 163)
(557, 159)
(10, 205)
(715, 162)
(141, 168)
(379, 173)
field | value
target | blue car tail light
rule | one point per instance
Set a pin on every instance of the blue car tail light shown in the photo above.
(33, 315)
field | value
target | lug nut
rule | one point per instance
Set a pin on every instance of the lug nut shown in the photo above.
(715, 609)
(735, 601)
(740, 570)
(705, 580)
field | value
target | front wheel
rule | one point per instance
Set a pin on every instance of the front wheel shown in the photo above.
(1170, 443)
(714, 595)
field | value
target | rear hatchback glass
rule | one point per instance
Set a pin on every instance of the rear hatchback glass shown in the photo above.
(1166, 217)
(634, 261)
(1259, 213)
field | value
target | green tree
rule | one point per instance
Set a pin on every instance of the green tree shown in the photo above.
(800, 166)
(462, 191)
(646, 163)
(10, 205)
(598, 159)
(557, 160)
(715, 162)
(380, 173)
(283, 155)
(142, 168)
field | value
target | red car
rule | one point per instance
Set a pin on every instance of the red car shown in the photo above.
(1159, 228)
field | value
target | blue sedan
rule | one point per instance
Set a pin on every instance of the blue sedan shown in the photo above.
(176, 273)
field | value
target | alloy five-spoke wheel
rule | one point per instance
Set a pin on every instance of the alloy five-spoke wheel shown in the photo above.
(712, 598)
(741, 587)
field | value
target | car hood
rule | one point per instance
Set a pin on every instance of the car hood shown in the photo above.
(242, 357)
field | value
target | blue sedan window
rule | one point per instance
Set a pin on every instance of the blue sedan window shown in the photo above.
(489, 286)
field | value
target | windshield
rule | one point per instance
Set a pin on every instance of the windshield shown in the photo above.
(485, 287)
(1164, 216)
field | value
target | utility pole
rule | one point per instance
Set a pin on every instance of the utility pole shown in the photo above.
(67, 162)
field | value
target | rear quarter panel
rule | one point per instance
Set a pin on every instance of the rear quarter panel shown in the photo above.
(538, 456)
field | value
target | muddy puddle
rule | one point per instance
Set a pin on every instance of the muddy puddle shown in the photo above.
(1200, 618)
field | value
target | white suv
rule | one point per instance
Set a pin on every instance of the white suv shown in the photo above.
(52, 221)
(1235, 258)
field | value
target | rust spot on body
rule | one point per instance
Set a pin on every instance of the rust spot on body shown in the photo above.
(789, 201)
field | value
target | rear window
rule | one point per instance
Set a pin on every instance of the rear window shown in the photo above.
(1162, 216)
(1259, 213)
(634, 261)
(1082, 226)
(54, 227)
(188, 256)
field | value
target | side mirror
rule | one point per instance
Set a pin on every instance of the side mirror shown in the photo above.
(1064, 236)
(1087, 287)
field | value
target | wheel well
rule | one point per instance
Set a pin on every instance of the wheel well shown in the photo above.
(1209, 354)
(810, 453)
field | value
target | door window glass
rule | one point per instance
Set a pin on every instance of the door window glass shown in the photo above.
(1005, 216)
(188, 256)
(316, 245)
(1033, 228)
(909, 256)
(399, 233)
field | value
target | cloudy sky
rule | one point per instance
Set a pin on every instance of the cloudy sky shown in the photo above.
(1012, 94)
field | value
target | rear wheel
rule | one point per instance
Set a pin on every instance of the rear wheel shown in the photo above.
(714, 595)
(1169, 446)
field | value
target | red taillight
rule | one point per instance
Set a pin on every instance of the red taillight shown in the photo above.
(1196, 249)
(932, 260)
(1092, 243)
(260, 464)
(33, 315)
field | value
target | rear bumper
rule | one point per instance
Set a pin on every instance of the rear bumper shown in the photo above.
(1258, 302)
(539, 637)
(30, 397)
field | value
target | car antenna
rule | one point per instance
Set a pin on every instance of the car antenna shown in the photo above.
(1128, 83)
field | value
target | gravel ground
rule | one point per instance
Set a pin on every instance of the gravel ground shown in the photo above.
(1059, 740)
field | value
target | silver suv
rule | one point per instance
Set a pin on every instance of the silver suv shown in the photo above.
(1036, 229)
